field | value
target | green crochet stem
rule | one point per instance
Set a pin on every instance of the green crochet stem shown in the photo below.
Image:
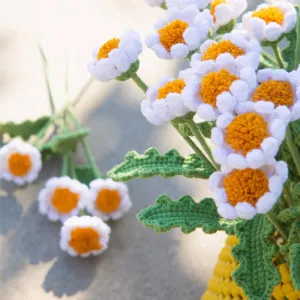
(82, 91)
(196, 132)
(277, 53)
(144, 88)
(45, 66)
(65, 165)
(140, 83)
(297, 50)
(86, 148)
(293, 148)
(194, 147)
(279, 227)
(288, 195)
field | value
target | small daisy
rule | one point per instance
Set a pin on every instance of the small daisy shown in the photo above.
(108, 199)
(225, 11)
(249, 139)
(20, 162)
(84, 236)
(115, 57)
(182, 32)
(164, 102)
(247, 192)
(217, 87)
(269, 21)
(62, 198)
(280, 88)
(244, 52)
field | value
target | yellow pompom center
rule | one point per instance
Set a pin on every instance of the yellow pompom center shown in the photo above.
(172, 34)
(246, 132)
(108, 201)
(226, 46)
(175, 86)
(64, 200)
(107, 47)
(19, 164)
(270, 14)
(214, 5)
(278, 92)
(246, 185)
(85, 240)
(215, 83)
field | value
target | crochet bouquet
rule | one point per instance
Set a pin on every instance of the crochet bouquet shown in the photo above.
(238, 108)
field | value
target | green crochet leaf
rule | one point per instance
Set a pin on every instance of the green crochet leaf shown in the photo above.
(25, 129)
(226, 28)
(288, 215)
(186, 214)
(256, 274)
(85, 174)
(295, 265)
(151, 163)
(288, 53)
(63, 143)
(205, 128)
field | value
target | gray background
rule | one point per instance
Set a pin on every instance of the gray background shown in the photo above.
(139, 265)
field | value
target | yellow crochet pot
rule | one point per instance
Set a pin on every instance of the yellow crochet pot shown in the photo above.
(222, 287)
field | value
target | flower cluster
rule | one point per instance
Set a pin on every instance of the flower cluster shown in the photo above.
(83, 210)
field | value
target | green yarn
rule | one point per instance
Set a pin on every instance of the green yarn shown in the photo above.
(151, 163)
(205, 128)
(266, 61)
(227, 27)
(63, 142)
(295, 265)
(288, 53)
(128, 74)
(256, 274)
(186, 214)
(85, 174)
(25, 129)
(289, 214)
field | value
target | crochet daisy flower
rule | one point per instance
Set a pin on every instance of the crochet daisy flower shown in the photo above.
(108, 199)
(20, 162)
(62, 198)
(182, 32)
(217, 87)
(249, 139)
(245, 52)
(84, 236)
(247, 192)
(164, 102)
(269, 21)
(115, 57)
(280, 88)
(224, 11)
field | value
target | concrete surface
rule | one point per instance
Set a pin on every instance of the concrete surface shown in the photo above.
(139, 265)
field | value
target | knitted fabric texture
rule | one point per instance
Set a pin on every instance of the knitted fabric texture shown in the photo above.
(153, 164)
(222, 287)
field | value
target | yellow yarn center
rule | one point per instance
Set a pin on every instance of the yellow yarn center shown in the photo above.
(107, 47)
(246, 132)
(19, 164)
(226, 46)
(246, 185)
(175, 86)
(108, 201)
(85, 240)
(214, 5)
(278, 92)
(172, 34)
(64, 200)
(270, 14)
(215, 83)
